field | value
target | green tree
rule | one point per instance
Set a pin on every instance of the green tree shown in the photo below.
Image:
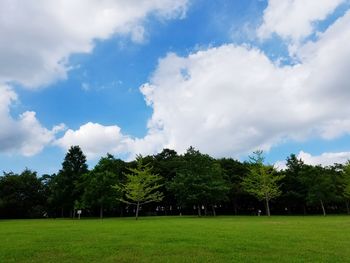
(293, 190)
(262, 180)
(199, 181)
(320, 184)
(21, 195)
(141, 186)
(346, 184)
(51, 204)
(97, 184)
(235, 172)
(165, 164)
(68, 183)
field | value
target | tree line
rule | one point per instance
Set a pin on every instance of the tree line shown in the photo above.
(171, 184)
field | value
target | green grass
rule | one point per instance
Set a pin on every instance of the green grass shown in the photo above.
(177, 239)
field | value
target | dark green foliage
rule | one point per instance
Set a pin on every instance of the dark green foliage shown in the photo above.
(235, 171)
(346, 185)
(21, 195)
(320, 185)
(293, 189)
(165, 164)
(68, 182)
(199, 181)
(176, 184)
(98, 191)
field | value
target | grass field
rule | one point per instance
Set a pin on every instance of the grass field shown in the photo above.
(177, 239)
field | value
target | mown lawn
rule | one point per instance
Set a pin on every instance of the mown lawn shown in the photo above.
(177, 239)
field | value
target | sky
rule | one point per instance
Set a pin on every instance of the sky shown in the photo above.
(131, 77)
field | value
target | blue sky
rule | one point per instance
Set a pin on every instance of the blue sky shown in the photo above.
(88, 82)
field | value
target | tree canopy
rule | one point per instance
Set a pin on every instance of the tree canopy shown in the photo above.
(262, 180)
(199, 181)
(69, 179)
(141, 186)
(169, 183)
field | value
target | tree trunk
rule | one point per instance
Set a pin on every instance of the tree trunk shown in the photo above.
(347, 207)
(214, 212)
(137, 210)
(267, 207)
(205, 211)
(323, 210)
(73, 213)
(101, 211)
(199, 210)
(62, 212)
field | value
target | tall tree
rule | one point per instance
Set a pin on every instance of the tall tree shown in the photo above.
(320, 186)
(141, 186)
(338, 179)
(52, 205)
(165, 164)
(235, 172)
(199, 181)
(293, 190)
(69, 179)
(262, 180)
(98, 191)
(346, 184)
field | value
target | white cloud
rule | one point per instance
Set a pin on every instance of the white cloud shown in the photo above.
(227, 100)
(35, 136)
(38, 36)
(294, 19)
(280, 165)
(96, 140)
(37, 39)
(24, 135)
(209, 100)
(325, 159)
(231, 100)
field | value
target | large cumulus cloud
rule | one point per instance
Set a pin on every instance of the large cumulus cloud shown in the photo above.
(232, 99)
